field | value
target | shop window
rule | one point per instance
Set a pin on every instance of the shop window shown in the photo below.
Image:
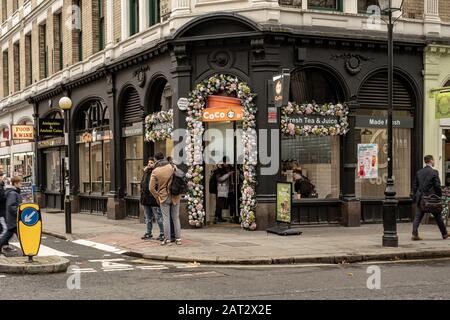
(54, 171)
(325, 4)
(5, 165)
(93, 138)
(402, 151)
(23, 165)
(319, 159)
(134, 157)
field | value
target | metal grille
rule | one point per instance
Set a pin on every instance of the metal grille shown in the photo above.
(93, 205)
(133, 111)
(374, 93)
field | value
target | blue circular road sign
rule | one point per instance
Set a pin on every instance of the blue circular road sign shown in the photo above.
(29, 217)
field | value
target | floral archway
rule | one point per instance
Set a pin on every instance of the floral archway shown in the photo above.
(194, 147)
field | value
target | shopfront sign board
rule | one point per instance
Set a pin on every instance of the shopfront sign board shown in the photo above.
(51, 127)
(223, 114)
(54, 142)
(381, 122)
(272, 115)
(281, 86)
(313, 120)
(443, 105)
(22, 132)
(368, 161)
(135, 130)
(284, 202)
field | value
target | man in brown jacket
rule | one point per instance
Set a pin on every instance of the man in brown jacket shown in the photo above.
(160, 182)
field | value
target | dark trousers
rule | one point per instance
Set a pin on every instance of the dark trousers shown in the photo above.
(418, 220)
(4, 240)
(172, 229)
(220, 205)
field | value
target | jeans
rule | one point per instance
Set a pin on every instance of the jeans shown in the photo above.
(149, 213)
(7, 236)
(418, 220)
(170, 210)
(220, 205)
(3, 227)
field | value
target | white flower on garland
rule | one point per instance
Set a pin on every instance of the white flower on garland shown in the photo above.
(194, 148)
(159, 126)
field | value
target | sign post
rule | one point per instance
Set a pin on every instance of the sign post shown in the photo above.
(29, 229)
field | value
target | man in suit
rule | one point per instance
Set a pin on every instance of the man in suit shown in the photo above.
(160, 182)
(427, 181)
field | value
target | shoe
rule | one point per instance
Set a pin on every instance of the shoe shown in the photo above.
(172, 240)
(147, 237)
(416, 238)
(178, 242)
(166, 242)
(160, 238)
(446, 236)
(9, 249)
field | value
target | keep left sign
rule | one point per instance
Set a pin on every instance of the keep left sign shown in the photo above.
(29, 228)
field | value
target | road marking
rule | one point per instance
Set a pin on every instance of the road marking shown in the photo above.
(85, 270)
(152, 268)
(99, 246)
(184, 275)
(45, 251)
(2, 276)
(124, 269)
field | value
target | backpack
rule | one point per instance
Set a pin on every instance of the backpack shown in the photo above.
(213, 183)
(179, 184)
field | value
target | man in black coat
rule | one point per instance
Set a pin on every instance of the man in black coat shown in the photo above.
(3, 227)
(427, 181)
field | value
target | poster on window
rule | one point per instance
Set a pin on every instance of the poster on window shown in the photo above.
(368, 161)
(284, 202)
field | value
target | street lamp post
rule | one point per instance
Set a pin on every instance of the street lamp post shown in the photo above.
(390, 238)
(65, 104)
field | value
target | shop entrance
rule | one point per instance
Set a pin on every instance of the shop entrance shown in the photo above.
(224, 153)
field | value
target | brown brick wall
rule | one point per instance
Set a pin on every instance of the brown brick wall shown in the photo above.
(444, 10)
(413, 9)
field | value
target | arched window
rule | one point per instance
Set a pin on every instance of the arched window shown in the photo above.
(447, 84)
(371, 128)
(317, 156)
(93, 139)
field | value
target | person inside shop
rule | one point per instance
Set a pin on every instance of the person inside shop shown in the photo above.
(151, 206)
(222, 176)
(302, 185)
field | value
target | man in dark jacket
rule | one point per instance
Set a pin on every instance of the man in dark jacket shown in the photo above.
(13, 200)
(427, 181)
(151, 206)
(3, 227)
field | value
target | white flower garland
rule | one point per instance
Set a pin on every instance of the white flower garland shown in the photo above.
(194, 148)
(162, 118)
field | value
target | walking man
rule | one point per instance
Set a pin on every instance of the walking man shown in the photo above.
(151, 206)
(427, 181)
(13, 200)
(160, 183)
(3, 227)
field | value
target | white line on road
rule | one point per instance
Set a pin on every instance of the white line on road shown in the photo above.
(2, 276)
(45, 251)
(152, 267)
(125, 269)
(86, 270)
(99, 246)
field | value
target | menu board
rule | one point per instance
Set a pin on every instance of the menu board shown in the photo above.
(284, 202)
(27, 192)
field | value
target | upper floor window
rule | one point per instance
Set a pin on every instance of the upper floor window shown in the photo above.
(15, 5)
(4, 10)
(134, 17)
(101, 24)
(153, 12)
(368, 6)
(325, 4)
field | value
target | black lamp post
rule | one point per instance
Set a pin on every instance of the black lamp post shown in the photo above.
(390, 238)
(65, 104)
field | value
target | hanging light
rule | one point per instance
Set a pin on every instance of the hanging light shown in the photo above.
(390, 5)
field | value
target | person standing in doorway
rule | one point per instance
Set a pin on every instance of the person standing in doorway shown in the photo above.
(151, 206)
(427, 182)
(13, 200)
(223, 174)
(160, 182)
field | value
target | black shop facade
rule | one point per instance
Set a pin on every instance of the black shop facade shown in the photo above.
(130, 109)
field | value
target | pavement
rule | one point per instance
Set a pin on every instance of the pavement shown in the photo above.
(229, 244)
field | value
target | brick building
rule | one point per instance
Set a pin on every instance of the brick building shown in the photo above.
(120, 60)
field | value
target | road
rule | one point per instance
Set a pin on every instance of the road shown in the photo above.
(106, 274)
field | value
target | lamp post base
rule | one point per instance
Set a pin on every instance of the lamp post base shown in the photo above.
(390, 206)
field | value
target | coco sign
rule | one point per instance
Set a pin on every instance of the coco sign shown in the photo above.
(281, 85)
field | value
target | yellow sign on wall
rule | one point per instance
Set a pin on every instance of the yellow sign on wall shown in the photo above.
(443, 105)
(29, 228)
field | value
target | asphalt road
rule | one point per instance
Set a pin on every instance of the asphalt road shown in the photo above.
(107, 275)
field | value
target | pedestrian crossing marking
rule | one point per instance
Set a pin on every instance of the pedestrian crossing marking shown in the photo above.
(99, 246)
(45, 251)
(116, 269)
(84, 270)
(2, 276)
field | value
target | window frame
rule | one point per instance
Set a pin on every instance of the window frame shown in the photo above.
(339, 5)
